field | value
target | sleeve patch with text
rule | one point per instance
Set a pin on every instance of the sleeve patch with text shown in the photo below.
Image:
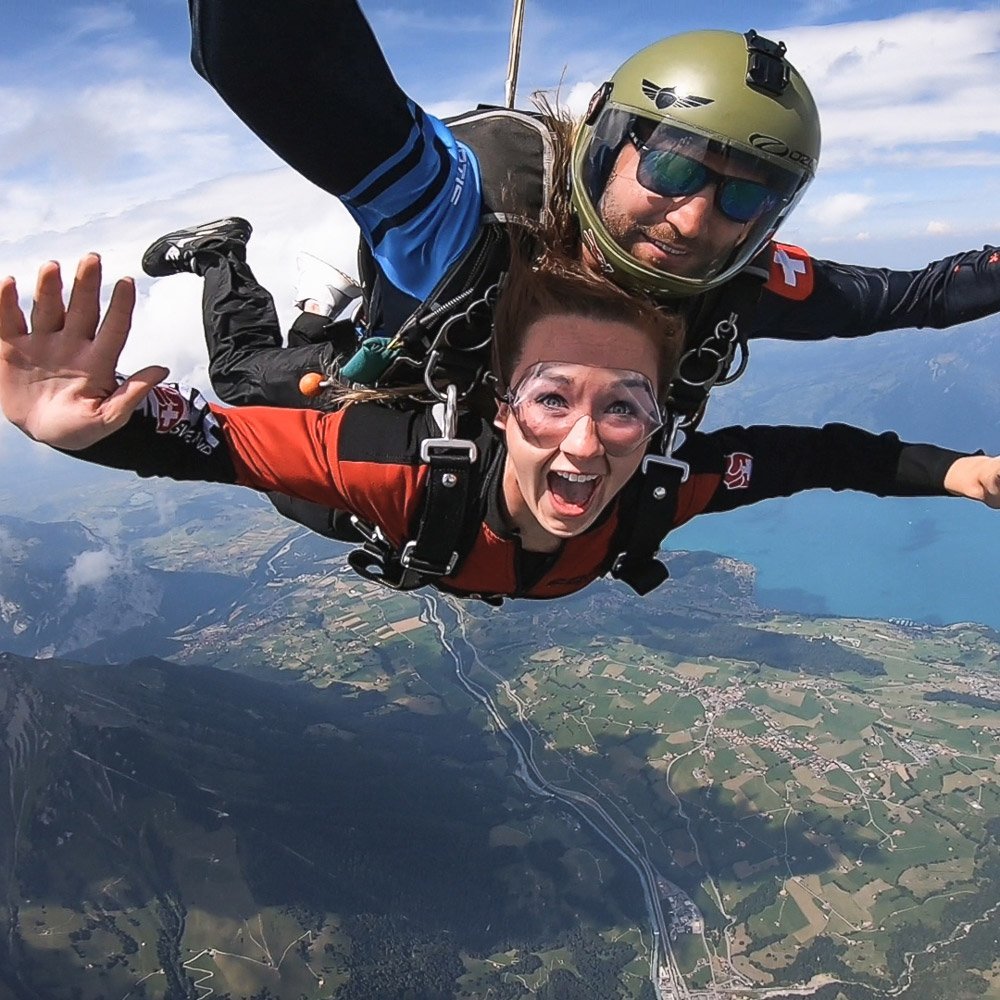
(182, 412)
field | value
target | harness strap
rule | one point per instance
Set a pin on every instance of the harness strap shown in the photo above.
(709, 359)
(437, 545)
(651, 515)
(446, 338)
(432, 551)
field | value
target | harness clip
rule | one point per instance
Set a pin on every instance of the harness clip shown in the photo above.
(449, 445)
(667, 458)
(408, 561)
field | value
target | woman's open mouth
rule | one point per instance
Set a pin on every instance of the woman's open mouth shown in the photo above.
(572, 492)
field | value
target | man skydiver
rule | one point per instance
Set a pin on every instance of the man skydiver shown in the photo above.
(689, 158)
(557, 499)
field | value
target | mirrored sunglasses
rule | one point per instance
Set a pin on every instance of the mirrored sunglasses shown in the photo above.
(673, 175)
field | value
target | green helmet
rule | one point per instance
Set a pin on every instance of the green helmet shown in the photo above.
(689, 159)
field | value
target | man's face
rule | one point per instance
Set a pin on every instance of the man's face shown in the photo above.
(685, 235)
(557, 490)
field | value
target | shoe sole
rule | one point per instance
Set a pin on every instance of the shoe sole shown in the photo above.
(156, 262)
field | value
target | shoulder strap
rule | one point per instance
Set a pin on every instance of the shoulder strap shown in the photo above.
(447, 336)
(515, 151)
(439, 542)
(651, 507)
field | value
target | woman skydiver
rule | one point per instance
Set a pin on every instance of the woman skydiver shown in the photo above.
(554, 493)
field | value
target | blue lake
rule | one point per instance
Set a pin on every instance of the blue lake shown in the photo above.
(933, 560)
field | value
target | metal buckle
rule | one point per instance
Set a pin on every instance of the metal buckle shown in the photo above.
(407, 561)
(480, 309)
(721, 348)
(674, 463)
(449, 426)
(447, 444)
(667, 458)
(433, 359)
(372, 533)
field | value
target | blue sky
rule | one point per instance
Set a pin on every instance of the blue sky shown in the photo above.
(104, 119)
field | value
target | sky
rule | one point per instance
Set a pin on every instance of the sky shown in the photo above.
(108, 138)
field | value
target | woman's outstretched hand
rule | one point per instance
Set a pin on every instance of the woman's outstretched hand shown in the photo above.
(57, 379)
(976, 477)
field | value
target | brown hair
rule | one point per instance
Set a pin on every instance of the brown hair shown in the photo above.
(566, 286)
(553, 284)
(560, 232)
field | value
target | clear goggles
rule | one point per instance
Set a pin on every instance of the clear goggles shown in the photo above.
(552, 397)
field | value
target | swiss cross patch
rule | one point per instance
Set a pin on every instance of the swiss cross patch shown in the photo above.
(168, 406)
(792, 275)
(738, 470)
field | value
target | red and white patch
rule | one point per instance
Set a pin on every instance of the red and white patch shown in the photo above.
(168, 406)
(792, 275)
(738, 470)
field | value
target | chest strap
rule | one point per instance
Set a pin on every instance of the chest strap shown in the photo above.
(436, 547)
(651, 510)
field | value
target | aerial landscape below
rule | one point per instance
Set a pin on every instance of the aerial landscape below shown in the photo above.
(311, 787)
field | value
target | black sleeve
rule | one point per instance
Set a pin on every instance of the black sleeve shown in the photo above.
(848, 301)
(309, 78)
(174, 434)
(737, 466)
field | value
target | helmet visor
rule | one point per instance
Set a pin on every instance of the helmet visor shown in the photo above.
(681, 203)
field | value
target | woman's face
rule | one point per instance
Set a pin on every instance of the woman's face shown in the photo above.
(590, 380)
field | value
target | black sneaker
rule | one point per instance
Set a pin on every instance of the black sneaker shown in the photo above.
(175, 253)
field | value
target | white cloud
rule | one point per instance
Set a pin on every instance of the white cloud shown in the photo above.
(287, 212)
(816, 11)
(97, 119)
(90, 569)
(907, 83)
(97, 18)
(838, 209)
(435, 25)
(577, 98)
(936, 228)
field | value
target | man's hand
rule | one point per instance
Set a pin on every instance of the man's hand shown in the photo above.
(57, 380)
(976, 477)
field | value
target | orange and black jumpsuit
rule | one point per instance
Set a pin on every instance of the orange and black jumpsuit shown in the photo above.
(366, 460)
